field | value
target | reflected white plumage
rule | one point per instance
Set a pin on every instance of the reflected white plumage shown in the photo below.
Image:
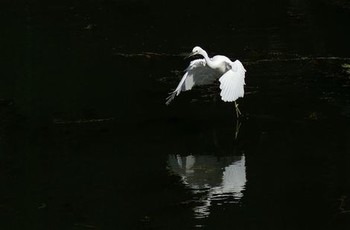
(201, 71)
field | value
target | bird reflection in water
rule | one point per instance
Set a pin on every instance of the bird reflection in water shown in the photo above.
(212, 180)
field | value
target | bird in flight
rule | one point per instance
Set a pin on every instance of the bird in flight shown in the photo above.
(200, 71)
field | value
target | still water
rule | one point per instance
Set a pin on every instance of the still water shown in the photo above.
(211, 179)
(87, 142)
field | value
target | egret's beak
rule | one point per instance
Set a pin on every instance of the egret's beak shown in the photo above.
(190, 55)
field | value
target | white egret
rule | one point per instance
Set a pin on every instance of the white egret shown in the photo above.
(231, 76)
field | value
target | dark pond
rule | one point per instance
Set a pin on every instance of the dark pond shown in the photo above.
(87, 142)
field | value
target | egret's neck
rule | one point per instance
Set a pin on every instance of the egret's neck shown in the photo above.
(208, 60)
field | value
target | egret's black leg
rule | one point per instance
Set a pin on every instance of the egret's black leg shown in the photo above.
(238, 112)
(238, 126)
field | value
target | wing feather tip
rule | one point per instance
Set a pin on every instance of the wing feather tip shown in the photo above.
(170, 98)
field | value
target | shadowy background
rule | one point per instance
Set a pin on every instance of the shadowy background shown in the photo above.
(85, 135)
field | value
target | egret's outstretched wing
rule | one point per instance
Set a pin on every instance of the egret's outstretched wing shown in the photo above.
(232, 82)
(197, 73)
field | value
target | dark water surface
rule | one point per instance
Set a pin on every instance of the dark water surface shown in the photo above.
(86, 141)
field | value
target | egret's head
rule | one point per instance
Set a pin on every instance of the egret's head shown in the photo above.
(196, 50)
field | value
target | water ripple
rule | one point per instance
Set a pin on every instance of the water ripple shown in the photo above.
(213, 181)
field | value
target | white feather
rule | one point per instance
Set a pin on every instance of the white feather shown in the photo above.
(197, 73)
(232, 82)
(207, 70)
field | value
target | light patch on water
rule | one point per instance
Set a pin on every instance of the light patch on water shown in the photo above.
(215, 181)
